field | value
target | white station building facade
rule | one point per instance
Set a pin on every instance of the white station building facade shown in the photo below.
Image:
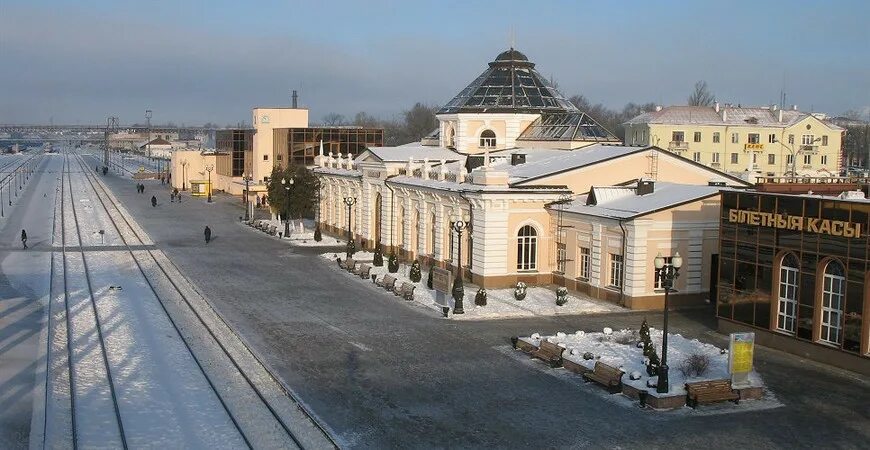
(550, 196)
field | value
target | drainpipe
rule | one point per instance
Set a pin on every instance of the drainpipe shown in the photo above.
(470, 220)
(624, 264)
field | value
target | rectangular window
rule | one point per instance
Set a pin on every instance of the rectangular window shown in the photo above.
(824, 140)
(735, 138)
(615, 270)
(716, 158)
(678, 136)
(279, 157)
(265, 157)
(789, 159)
(771, 138)
(824, 159)
(643, 136)
(791, 139)
(754, 138)
(807, 139)
(808, 159)
(585, 259)
(697, 136)
(561, 257)
(716, 137)
(734, 158)
(833, 295)
(696, 157)
(635, 137)
(787, 316)
(771, 158)
(658, 283)
(754, 158)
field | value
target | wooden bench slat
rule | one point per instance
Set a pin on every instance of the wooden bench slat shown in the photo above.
(608, 376)
(705, 392)
(549, 352)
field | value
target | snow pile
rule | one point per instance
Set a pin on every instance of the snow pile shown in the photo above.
(620, 349)
(500, 302)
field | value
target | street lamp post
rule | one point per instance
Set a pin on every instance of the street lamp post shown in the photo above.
(183, 174)
(287, 185)
(148, 122)
(458, 288)
(349, 202)
(208, 169)
(667, 274)
(247, 179)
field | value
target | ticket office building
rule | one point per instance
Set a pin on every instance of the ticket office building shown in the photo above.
(794, 269)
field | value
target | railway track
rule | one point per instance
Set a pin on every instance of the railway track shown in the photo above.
(257, 414)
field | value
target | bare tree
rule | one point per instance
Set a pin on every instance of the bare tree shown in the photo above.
(366, 120)
(419, 121)
(334, 119)
(701, 96)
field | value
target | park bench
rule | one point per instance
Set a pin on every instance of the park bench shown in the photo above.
(704, 392)
(273, 230)
(365, 271)
(387, 282)
(406, 291)
(357, 269)
(346, 264)
(549, 352)
(607, 376)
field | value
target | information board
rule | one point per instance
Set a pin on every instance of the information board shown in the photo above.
(740, 354)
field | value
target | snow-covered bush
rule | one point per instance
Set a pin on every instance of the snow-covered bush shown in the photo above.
(695, 364)
(635, 375)
(536, 336)
(317, 235)
(625, 337)
(520, 291)
(480, 297)
(560, 335)
(649, 351)
(378, 260)
(415, 273)
(608, 331)
(561, 296)
(588, 356)
(393, 263)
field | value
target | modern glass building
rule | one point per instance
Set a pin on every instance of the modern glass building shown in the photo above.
(233, 147)
(794, 268)
(301, 145)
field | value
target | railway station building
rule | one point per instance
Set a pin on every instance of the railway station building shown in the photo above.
(794, 269)
(550, 196)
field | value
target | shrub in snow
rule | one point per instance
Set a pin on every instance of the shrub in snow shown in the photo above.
(351, 247)
(429, 278)
(625, 337)
(536, 335)
(317, 235)
(652, 382)
(649, 351)
(695, 364)
(415, 273)
(634, 375)
(520, 291)
(560, 335)
(580, 333)
(588, 355)
(574, 351)
(480, 297)
(561, 296)
(608, 331)
(723, 351)
(378, 258)
(393, 263)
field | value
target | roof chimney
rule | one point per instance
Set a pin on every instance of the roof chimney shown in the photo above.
(645, 186)
(794, 107)
(716, 107)
(773, 108)
(658, 108)
(724, 115)
(780, 116)
(295, 99)
(518, 158)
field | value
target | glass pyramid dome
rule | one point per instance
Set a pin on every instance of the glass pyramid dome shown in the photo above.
(510, 85)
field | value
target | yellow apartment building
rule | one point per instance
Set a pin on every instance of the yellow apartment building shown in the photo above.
(743, 141)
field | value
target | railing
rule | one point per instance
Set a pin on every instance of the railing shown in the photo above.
(812, 180)
(678, 146)
(809, 149)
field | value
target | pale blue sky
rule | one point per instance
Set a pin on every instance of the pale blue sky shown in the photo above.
(199, 61)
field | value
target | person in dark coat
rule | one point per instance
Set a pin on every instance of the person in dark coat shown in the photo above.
(153, 201)
(207, 233)
(24, 239)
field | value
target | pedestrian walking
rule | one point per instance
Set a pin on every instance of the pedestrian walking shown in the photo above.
(24, 239)
(153, 201)
(207, 233)
(172, 197)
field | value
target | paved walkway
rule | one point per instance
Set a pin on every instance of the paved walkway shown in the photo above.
(382, 373)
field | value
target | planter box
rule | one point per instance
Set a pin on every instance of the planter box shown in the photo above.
(524, 345)
(751, 393)
(655, 400)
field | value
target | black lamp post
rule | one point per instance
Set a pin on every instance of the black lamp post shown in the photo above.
(183, 174)
(208, 169)
(349, 202)
(667, 274)
(287, 185)
(458, 288)
(247, 179)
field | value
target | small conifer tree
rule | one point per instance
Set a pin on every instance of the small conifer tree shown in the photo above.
(415, 273)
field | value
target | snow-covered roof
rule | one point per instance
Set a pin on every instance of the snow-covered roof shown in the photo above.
(727, 115)
(338, 171)
(622, 202)
(415, 152)
(541, 163)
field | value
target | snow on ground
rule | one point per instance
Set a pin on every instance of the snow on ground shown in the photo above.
(620, 349)
(500, 302)
(302, 234)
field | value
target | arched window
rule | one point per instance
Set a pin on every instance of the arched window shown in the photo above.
(416, 226)
(377, 221)
(833, 300)
(450, 137)
(400, 239)
(487, 139)
(786, 316)
(527, 248)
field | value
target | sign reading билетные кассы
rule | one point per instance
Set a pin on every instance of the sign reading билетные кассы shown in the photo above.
(798, 223)
(740, 352)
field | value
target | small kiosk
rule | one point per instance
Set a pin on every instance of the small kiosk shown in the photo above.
(200, 188)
